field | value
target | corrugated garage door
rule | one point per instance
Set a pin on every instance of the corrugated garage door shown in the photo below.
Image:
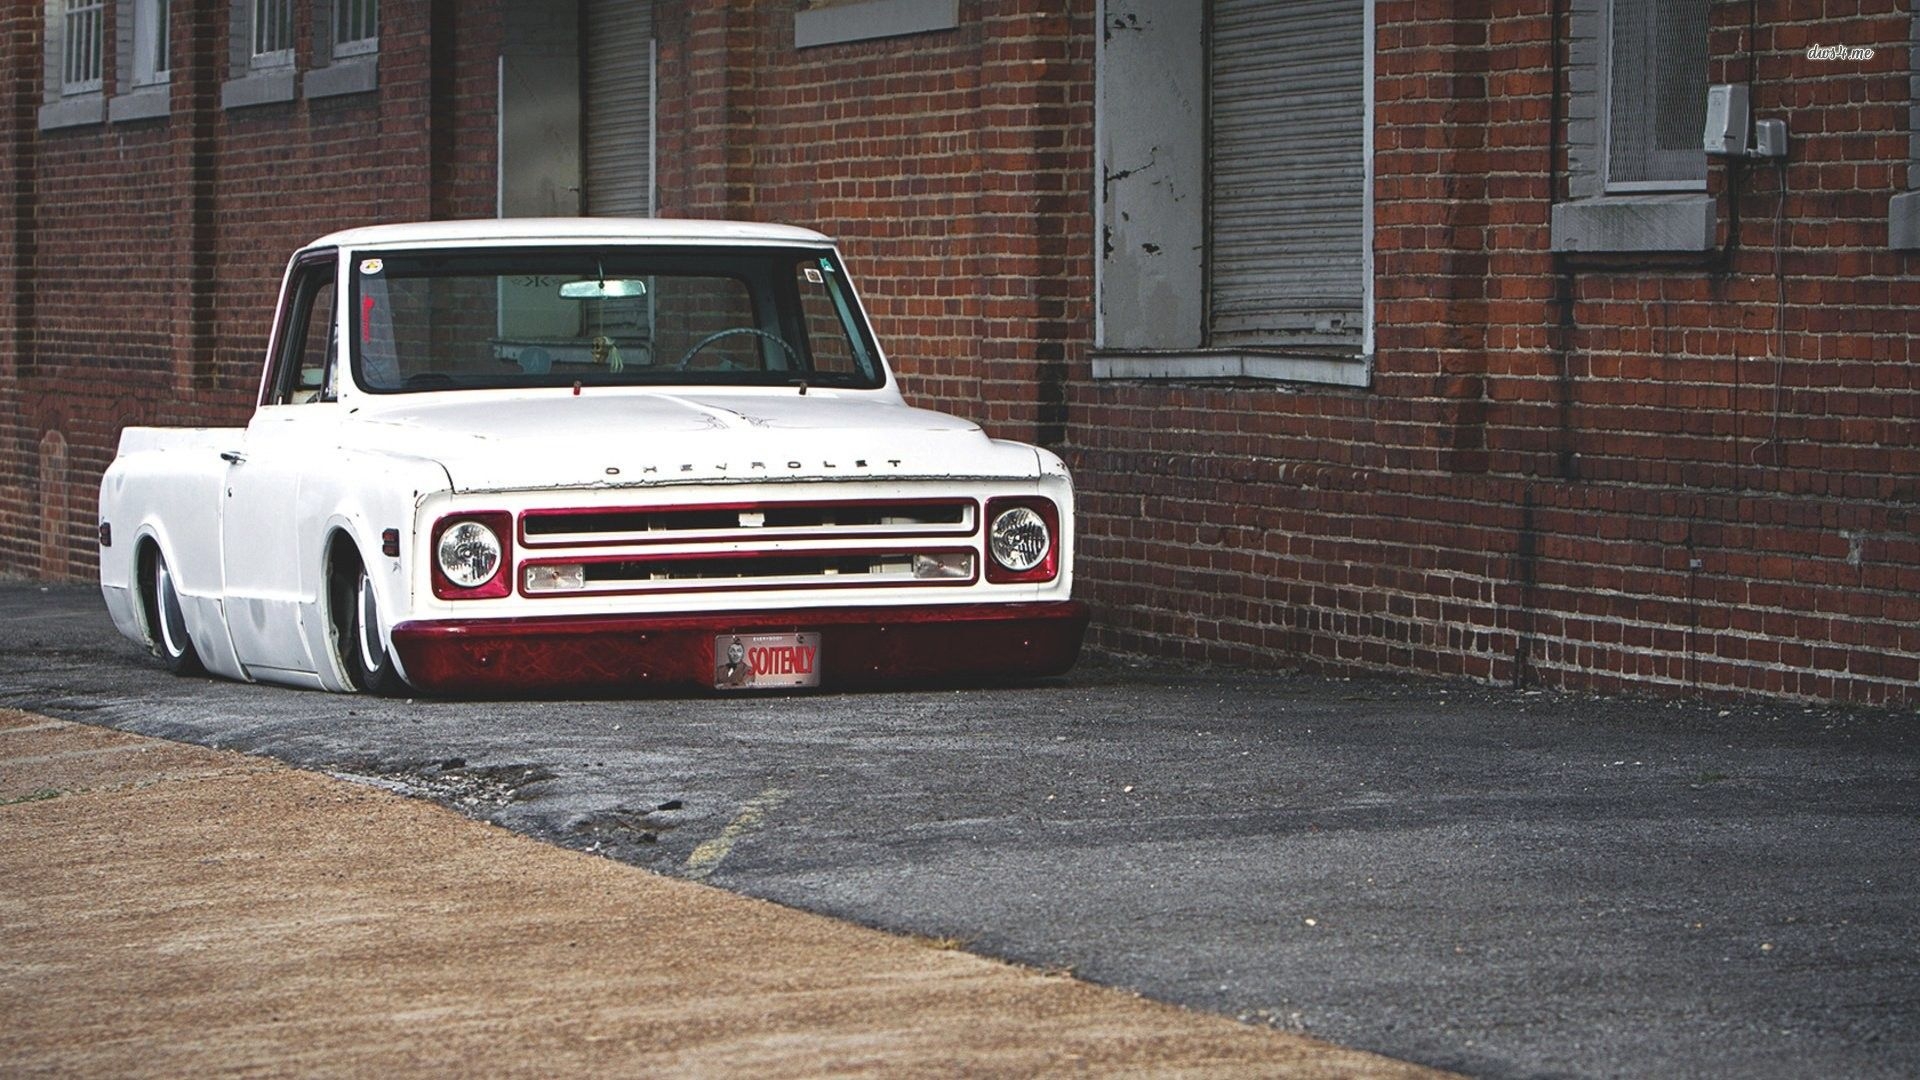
(618, 111)
(1288, 178)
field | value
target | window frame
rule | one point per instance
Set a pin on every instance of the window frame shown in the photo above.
(151, 59)
(270, 59)
(64, 103)
(1591, 217)
(340, 67)
(311, 271)
(94, 12)
(366, 45)
(1173, 155)
(1610, 65)
(257, 78)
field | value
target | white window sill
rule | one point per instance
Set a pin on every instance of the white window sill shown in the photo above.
(348, 75)
(874, 19)
(1354, 370)
(73, 111)
(146, 103)
(258, 88)
(1635, 223)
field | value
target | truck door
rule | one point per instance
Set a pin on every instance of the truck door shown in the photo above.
(267, 537)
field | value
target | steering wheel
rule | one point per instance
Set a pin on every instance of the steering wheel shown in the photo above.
(429, 380)
(730, 332)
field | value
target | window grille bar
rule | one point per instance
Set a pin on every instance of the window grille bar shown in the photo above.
(81, 51)
(272, 28)
(1657, 97)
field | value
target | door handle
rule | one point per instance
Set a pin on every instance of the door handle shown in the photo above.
(232, 457)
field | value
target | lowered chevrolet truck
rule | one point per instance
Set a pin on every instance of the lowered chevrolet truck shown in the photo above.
(511, 456)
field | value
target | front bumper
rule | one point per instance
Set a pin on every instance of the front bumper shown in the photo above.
(859, 646)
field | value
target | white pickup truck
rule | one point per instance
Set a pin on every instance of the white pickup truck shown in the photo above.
(527, 455)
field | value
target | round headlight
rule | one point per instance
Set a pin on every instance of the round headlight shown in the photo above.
(469, 553)
(1019, 539)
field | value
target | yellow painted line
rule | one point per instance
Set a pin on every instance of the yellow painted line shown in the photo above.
(753, 813)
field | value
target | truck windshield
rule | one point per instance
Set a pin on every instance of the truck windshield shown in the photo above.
(612, 316)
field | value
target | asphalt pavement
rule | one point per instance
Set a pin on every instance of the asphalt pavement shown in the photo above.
(1500, 882)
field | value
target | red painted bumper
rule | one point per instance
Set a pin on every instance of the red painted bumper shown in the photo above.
(858, 646)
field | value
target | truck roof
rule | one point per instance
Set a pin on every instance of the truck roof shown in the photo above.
(569, 229)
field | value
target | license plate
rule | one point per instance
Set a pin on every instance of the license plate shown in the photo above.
(741, 661)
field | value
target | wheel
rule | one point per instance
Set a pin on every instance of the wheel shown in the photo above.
(687, 360)
(167, 623)
(356, 633)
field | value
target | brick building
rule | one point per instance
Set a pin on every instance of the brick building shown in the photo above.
(1406, 335)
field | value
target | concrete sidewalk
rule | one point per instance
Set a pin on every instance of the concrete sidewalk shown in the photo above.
(170, 910)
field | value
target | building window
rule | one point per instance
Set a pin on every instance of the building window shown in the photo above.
(73, 52)
(346, 48)
(1657, 95)
(1234, 161)
(261, 55)
(1636, 106)
(83, 33)
(152, 41)
(356, 27)
(272, 33)
(142, 58)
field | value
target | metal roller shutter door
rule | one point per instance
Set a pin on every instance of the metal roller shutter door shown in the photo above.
(618, 111)
(1288, 178)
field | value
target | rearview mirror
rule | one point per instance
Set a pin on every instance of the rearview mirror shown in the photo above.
(616, 289)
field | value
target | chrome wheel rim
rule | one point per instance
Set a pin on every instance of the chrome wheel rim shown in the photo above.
(173, 622)
(367, 626)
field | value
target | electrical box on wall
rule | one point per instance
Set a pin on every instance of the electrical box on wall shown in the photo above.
(1769, 139)
(1726, 134)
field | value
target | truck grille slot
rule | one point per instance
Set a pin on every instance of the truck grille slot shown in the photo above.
(750, 570)
(582, 527)
(759, 567)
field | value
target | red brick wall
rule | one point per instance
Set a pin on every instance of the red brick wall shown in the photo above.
(1595, 475)
(952, 166)
(19, 446)
(156, 247)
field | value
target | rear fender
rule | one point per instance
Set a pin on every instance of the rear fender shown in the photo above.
(204, 612)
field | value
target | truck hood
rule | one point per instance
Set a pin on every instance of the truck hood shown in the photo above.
(631, 439)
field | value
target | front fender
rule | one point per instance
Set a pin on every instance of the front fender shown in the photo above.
(352, 503)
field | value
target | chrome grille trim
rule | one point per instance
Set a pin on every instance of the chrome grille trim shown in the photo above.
(756, 522)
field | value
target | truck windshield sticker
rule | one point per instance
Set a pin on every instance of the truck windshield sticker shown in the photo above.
(371, 266)
(814, 276)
